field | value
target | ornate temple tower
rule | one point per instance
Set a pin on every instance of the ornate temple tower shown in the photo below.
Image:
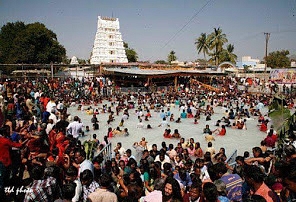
(108, 44)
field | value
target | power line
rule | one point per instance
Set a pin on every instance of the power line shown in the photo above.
(183, 27)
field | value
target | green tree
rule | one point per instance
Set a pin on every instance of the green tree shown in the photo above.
(172, 57)
(8, 34)
(31, 43)
(216, 41)
(202, 44)
(160, 62)
(227, 54)
(278, 59)
(131, 54)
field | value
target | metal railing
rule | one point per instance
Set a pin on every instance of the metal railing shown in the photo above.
(231, 160)
(106, 154)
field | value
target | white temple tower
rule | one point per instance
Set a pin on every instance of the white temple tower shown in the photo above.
(108, 44)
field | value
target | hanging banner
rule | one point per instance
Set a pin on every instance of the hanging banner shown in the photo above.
(283, 75)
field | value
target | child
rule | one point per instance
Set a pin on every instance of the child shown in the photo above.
(86, 128)
(221, 131)
(121, 123)
(195, 121)
(143, 143)
(96, 126)
(167, 133)
(172, 117)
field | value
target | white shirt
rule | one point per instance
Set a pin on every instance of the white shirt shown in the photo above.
(49, 128)
(53, 117)
(140, 125)
(50, 106)
(86, 164)
(78, 190)
(164, 124)
(37, 94)
(76, 127)
(166, 160)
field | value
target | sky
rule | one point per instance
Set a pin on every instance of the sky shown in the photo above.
(153, 28)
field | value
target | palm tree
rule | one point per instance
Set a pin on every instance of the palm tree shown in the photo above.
(227, 54)
(172, 57)
(202, 44)
(216, 41)
(231, 55)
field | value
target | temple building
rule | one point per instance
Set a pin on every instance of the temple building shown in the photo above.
(108, 45)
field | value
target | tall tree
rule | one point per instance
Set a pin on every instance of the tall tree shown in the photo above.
(172, 57)
(227, 54)
(216, 41)
(131, 54)
(202, 44)
(8, 34)
(31, 43)
(278, 59)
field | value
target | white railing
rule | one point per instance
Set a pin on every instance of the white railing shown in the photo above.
(231, 160)
(105, 153)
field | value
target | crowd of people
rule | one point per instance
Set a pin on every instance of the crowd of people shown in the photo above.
(42, 157)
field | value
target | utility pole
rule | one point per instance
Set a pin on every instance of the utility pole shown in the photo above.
(51, 68)
(267, 35)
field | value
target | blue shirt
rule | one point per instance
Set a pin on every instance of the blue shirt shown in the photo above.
(186, 182)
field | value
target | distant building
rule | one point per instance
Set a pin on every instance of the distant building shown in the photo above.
(74, 61)
(253, 64)
(108, 45)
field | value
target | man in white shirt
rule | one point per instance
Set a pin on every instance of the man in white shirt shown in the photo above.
(164, 123)
(51, 105)
(75, 127)
(162, 158)
(84, 164)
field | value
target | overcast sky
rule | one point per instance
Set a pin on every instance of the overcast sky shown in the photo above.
(153, 28)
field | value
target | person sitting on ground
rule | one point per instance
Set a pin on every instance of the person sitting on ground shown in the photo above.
(226, 121)
(149, 126)
(117, 131)
(176, 134)
(167, 133)
(164, 123)
(209, 137)
(221, 131)
(121, 123)
(183, 114)
(195, 121)
(270, 142)
(111, 117)
(125, 132)
(146, 118)
(218, 123)
(172, 117)
(140, 124)
(96, 126)
(239, 125)
(211, 149)
(208, 117)
(207, 129)
(263, 126)
(178, 120)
